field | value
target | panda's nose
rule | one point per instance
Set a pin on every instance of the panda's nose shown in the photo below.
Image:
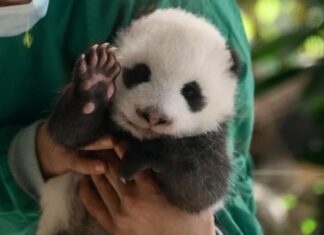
(153, 117)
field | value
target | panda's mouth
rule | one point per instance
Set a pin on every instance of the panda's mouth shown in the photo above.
(136, 126)
(144, 130)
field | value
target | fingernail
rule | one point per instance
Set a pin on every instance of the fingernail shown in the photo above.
(106, 142)
(113, 49)
(100, 168)
(123, 180)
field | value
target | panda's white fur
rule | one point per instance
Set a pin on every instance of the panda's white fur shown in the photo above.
(178, 47)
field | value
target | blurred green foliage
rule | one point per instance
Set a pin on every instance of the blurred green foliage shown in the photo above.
(289, 200)
(318, 187)
(287, 40)
(308, 226)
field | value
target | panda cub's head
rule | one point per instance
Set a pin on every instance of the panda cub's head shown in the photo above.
(177, 76)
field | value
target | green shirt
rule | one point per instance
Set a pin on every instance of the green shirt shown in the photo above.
(31, 78)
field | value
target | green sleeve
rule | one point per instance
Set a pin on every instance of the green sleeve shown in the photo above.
(31, 78)
(18, 212)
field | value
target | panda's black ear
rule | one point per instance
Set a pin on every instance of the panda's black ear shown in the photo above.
(236, 64)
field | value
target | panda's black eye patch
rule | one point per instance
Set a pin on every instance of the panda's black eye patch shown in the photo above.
(193, 95)
(138, 74)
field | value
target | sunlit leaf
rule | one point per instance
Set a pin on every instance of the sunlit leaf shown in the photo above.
(267, 11)
(308, 226)
(290, 200)
(270, 33)
(248, 26)
(314, 46)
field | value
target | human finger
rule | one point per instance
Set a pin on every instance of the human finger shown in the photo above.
(107, 193)
(120, 148)
(114, 178)
(103, 143)
(95, 205)
(144, 183)
(87, 166)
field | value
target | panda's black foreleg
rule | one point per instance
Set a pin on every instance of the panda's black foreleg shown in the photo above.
(82, 112)
(137, 159)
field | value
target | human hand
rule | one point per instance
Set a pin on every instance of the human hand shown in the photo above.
(13, 2)
(55, 159)
(138, 207)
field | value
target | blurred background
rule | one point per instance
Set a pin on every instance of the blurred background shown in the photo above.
(287, 41)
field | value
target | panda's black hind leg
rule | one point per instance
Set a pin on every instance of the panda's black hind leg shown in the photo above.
(81, 114)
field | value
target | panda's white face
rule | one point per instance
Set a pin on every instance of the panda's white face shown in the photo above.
(176, 76)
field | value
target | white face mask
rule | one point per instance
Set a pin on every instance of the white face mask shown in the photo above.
(18, 19)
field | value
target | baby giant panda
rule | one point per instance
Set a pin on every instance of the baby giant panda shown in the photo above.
(169, 90)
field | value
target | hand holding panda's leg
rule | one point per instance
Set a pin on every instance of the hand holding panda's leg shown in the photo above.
(82, 111)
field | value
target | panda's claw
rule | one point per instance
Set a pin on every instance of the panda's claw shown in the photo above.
(123, 180)
(113, 49)
(97, 65)
(81, 66)
(94, 76)
(92, 56)
(102, 55)
(105, 44)
(111, 60)
(114, 71)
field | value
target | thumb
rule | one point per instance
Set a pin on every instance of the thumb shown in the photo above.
(145, 182)
(87, 166)
(103, 143)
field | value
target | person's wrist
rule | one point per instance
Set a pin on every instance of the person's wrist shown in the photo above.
(208, 227)
(13, 2)
(203, 224)
(43, 149)
(208, 223)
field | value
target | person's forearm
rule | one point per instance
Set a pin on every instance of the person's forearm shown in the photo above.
(13, 2)
(23, 160)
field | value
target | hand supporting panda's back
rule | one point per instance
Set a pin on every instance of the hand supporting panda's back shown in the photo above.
(81, 115)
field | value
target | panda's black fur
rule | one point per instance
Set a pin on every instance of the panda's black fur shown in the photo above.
(192, 171)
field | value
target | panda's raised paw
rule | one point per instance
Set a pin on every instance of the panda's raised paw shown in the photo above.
(94, 75)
